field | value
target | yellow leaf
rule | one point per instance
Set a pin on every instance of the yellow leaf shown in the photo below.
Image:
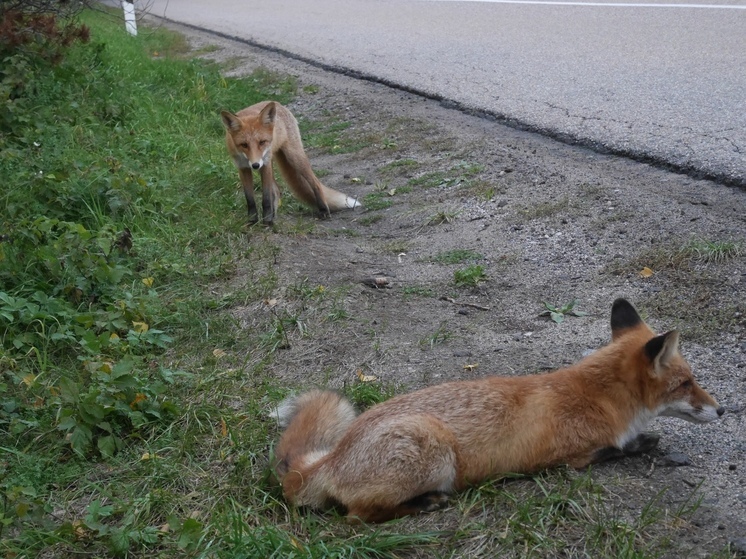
(148, 282)
(105, 367)
(149, 456)
(218, 353)
(223, 427)
(139, 397)
(391, 192)
(140, 327)
(270, 302)
(355, 179)
(646, 272)
(471, 367)
(29, 379)
(363, 377)
(295, 543)
(113, 336)
(79, 529)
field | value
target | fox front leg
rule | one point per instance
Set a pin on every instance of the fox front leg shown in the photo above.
(270, 194)
(641, 444)
(247, 181)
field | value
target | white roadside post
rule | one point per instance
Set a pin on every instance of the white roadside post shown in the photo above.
(130, 22)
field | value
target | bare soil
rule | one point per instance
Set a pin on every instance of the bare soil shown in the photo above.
(547, 222)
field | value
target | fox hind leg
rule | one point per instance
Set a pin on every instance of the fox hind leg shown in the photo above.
(427, 502)
(416, 464)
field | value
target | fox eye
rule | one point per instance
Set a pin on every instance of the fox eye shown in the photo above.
(243, 145)
(263, 142)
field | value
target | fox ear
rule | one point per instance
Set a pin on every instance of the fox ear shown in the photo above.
(268, 113)
(623, 316)
(230, 121)
(662, 349)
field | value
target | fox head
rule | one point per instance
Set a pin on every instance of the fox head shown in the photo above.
(666, 381)
(251, 136)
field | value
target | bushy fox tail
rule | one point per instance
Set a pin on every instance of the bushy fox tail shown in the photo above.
(314, 422)
(337, 200)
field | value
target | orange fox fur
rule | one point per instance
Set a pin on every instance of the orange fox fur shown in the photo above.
(267, 132)
(409, 453)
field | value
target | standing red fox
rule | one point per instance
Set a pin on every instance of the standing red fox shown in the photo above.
(407, 454)
(267, 131)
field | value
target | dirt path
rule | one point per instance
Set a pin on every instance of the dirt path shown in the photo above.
(546, 222)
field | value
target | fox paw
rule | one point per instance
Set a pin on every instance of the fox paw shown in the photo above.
(432, 501)
(642, 444)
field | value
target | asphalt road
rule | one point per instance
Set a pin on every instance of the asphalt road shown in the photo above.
(658, 81)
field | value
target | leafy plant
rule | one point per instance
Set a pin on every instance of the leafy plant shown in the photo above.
(471, 276)
(557, 313)
(438, 337)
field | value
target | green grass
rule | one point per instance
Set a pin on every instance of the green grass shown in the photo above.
(378, 200)
(331, 135)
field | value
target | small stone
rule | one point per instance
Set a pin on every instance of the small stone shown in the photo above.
(675, 459)
(732, 467)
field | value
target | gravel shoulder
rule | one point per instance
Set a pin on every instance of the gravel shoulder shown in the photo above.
(546, 222)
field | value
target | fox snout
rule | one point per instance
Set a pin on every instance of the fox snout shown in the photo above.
(695, 413)
(256, 165)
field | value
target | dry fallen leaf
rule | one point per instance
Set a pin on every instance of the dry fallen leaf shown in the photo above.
(646, 272)
(148, 282)
(140, 327)
(471, 367)
(139, 397)
(270, 302)
(218, 353)
(378, 282)
(364, 377)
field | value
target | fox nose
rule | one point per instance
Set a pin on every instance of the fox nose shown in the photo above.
(721, 411)
(256, 165)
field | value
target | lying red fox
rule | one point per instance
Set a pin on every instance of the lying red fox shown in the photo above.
(267, 132)
(409, 453)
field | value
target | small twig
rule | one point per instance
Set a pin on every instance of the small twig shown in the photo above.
(472, 305)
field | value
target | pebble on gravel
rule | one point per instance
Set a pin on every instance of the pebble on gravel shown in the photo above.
(675, 459)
